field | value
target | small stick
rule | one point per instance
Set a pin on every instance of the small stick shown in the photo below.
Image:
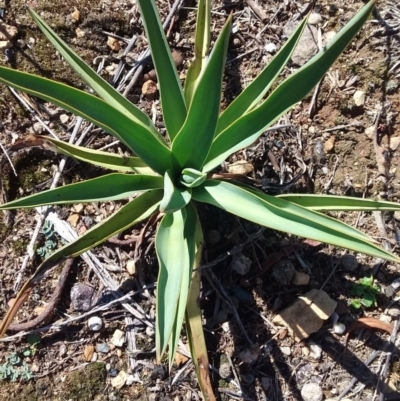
(257, 10)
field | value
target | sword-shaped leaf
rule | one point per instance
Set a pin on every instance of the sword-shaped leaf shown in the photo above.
(288, 217)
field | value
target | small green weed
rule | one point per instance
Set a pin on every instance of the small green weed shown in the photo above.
(366, 292)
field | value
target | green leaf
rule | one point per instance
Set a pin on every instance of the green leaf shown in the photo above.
(285, 216)
(171, 94)
(127, 216)
(244, 131)
(192, 178)
(174, 268)
(201, 46)
(192, 237)
(97, 83)
(192, 144)
(148, 146)
(96, 157)
(251, 95)
(174, 198)
(106, 188)
(339, 203)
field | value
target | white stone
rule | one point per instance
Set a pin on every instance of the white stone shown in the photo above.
(120, 380)
(286, 350)
(316, 351)
(95, 323)
(64, 118)
(312, 392)
(314, 19)
(339, 328)
(118, 338)
(359, 98)
(270, 48)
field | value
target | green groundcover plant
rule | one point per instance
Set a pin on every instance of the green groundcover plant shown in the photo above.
(170, 175)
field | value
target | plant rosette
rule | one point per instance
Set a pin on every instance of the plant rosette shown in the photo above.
(170, 175)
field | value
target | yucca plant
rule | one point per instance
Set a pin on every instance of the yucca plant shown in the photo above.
(170, 175)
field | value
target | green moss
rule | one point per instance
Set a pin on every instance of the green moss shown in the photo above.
(85, 384)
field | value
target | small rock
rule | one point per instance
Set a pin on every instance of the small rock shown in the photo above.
(339, 328)
(241, 264)
(88, 353)
(240, 167)
(78, 207)
(64, 118)
(119, 381)
(249, 355)
(73, 219)
(307, 46)
(63, 350)
(7, 32)
(316, 351)
(394, 142)
(149, 331)
(103, 348)
(95, 323)
(370, 132)
(35, 368)
(270, 48)
(349, 262)
(286, 350)
(94, 357)
(76, 15)
(118, 338)
(225, 370)
(359, 98)
(130, 380)
(283, 271)
(131, 267)
(5, 44)
(38, 128)
(329, 144)
(113, 44)
(149, 89)
(300, 278)
(226, 327)
(80, 33)
(305, 351)
(314, 19)
(312, 392)
(81, 297)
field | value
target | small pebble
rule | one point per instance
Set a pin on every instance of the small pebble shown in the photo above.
(300, 278)
(130, 380)
(118, 338)
(359, 98)
(81, 297)
(314, 19)
(316, 351)
(95, 323)
(38, 128)
(286, 350)
(270, 48)
(312, 392)
(63, 350)
(149, 331)
(119, 381)
(103, 348)
(349, 262)
(329, 36)
(241, 264)
(131, 267)
(64, 118)
(339, 328)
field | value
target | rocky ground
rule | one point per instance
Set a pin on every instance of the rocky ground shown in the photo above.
(342, 139)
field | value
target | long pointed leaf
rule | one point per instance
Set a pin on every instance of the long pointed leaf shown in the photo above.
(250, 96)
(96, 157)
(97, 83)
(106, 188)
(339, 203)
(148, 146)
(172, 100)
(285, 216)
(248, 128)
(192, 237)
(201, 45)
(174, 266)
(192, 144)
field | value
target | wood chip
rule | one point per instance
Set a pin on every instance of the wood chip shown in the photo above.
(88, 353)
